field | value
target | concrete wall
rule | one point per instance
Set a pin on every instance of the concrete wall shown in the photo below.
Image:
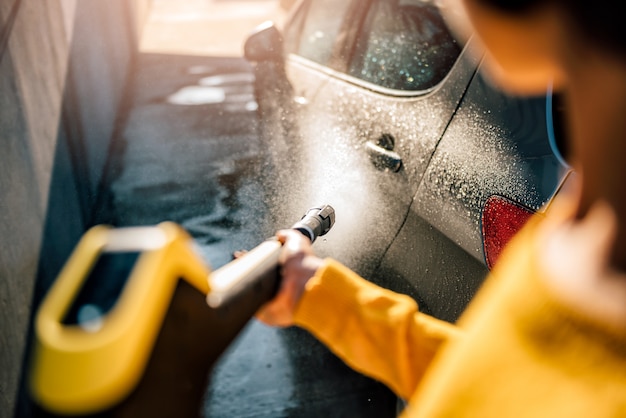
(64, 66)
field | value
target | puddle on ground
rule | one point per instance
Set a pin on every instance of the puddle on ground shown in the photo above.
(197, 95)
(227, 79)
(234, 90)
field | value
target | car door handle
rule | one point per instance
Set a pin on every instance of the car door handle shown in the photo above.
(383, 158)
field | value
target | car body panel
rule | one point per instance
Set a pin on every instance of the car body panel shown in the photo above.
(425, 264)
(495, 145)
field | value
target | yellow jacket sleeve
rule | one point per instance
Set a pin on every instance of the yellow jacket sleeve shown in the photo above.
(377, 332)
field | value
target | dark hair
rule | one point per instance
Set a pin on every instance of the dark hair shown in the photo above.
(600, 21)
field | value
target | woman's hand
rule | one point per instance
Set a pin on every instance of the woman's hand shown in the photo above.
(298, 264)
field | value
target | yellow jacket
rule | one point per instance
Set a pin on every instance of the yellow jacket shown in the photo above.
(515, 351)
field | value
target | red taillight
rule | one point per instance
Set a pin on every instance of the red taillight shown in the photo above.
(501, 219)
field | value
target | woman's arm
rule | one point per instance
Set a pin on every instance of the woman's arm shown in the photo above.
(377, 332)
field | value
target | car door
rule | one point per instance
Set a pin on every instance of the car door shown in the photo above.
(372, 109)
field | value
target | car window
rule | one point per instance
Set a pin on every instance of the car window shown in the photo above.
(404, 45)
(323, 23)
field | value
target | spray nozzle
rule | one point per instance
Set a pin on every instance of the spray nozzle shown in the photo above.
(316, 221)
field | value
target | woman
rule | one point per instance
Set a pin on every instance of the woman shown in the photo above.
(546, 334)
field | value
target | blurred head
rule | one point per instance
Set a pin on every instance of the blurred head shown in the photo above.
(531, 43)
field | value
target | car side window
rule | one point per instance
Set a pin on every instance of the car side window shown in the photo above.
(324, 19)
(404, 45)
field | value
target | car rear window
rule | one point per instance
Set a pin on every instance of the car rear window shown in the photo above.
(404, 45)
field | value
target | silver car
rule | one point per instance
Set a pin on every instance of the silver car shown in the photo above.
(374, 107)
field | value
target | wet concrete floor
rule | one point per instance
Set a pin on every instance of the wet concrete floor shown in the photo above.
(189, 153)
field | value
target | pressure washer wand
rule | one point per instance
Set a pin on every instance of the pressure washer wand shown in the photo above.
(151, 346)
(240, 287)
